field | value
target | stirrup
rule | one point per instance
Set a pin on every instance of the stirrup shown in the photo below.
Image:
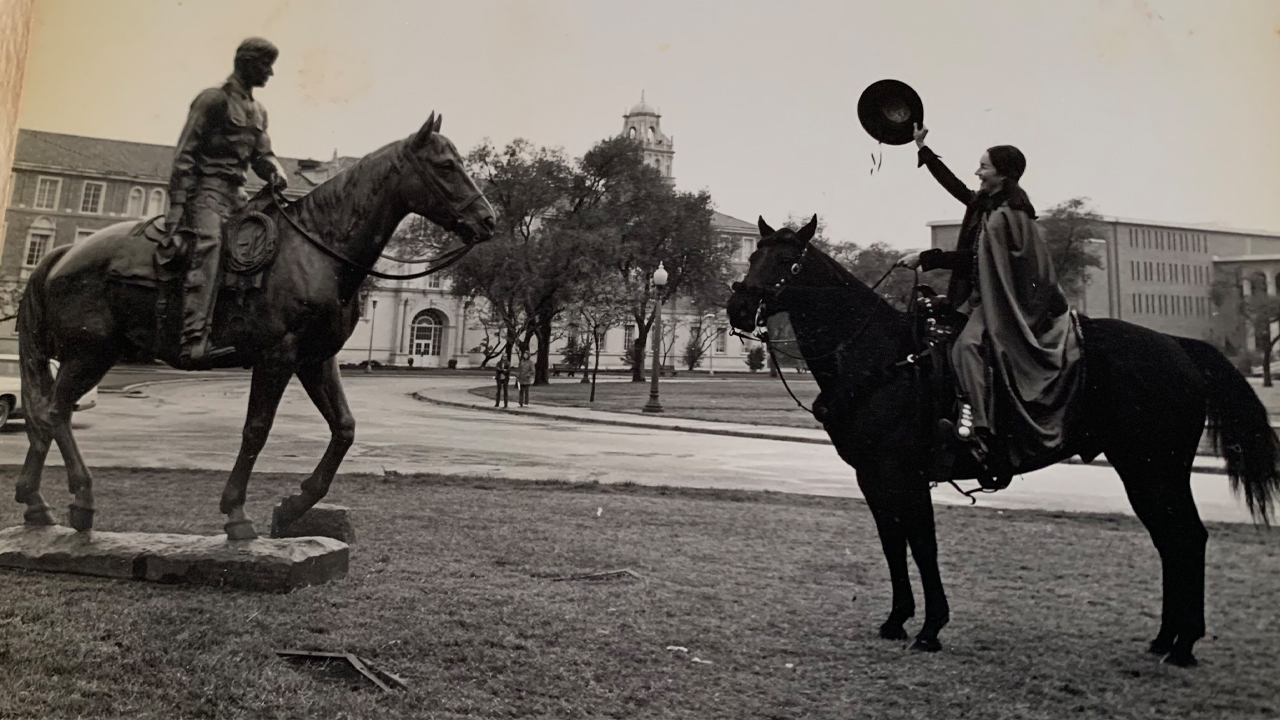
(964, 426)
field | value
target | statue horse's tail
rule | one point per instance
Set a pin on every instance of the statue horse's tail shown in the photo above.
(35, 349)
(1239, 429)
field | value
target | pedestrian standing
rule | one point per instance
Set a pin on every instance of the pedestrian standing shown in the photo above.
(524, 378)
(502, 376)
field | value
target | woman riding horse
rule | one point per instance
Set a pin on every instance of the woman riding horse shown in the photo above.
(1019, 327)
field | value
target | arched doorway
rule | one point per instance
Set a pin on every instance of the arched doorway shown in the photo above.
(427, 341)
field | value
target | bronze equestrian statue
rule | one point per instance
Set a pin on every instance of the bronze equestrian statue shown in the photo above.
(293, 307)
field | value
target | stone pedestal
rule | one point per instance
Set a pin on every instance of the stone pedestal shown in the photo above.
(322, 520)
(261, 564)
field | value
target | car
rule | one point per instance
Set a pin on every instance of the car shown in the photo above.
(11, 389)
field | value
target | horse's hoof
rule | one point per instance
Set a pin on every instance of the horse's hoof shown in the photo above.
(1181, 658)
(38, 515)
(240, 530)
(926, 645)
(1160, 646)
(81, 518)
(893, 632)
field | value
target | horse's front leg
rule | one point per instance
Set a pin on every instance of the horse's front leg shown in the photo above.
(265, 391)
(922, 536)
(323, 383)
(883, 501)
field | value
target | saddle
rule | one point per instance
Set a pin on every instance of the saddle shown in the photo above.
(154, 259)
(248, 248)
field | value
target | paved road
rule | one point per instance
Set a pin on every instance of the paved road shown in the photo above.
(197, 425)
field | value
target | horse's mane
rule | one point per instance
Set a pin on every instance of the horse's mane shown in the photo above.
(861, 291)
(335, 204)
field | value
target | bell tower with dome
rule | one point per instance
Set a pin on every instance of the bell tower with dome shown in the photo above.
(644, 125)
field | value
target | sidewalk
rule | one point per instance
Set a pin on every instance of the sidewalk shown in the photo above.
(461, 397)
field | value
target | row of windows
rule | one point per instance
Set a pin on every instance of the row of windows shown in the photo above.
(92, 197)
(1173, 240)
(1183, 305)
(40, 240)
(1148, 271)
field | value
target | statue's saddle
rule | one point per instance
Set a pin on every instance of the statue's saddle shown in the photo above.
(248, 247)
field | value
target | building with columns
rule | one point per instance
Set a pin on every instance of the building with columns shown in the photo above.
(1162, 275)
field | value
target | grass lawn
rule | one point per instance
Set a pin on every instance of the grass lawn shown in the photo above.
(781, 595)
(759, 400)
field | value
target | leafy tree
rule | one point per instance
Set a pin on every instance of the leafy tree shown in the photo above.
(576, 353)
(641, 221)
(755, 358)
(1067, 228)
(599, 307)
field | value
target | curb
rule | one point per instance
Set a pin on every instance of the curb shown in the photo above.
(624, 423)
(1100, 461)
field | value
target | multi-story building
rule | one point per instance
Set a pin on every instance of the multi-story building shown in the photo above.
(1161, 275)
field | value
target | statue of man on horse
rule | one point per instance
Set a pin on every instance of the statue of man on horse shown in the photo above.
(225, 136)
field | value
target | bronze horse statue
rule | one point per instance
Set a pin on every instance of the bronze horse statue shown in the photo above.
(75, 310)
(1144, 405)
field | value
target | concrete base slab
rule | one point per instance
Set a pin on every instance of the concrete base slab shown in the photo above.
(276, 565)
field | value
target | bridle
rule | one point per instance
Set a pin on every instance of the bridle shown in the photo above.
(761, 334)
(428, 180)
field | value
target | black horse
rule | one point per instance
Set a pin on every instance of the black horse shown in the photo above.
(1144, 406)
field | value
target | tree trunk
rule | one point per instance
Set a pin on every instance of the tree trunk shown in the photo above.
(595, 371)
(543, 363)
(638, 354)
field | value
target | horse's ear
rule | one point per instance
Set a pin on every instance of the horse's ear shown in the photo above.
(439, 119)
(423, 135)
(765, 230)
(806, 233)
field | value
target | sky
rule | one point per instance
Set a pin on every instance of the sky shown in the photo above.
(1166, 111)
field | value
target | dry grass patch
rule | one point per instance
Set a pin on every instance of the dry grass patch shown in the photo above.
(450, 588)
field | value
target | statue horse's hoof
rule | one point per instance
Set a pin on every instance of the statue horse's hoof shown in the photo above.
(81, 518)
(38, 515)
(240, 530)
(926, 645)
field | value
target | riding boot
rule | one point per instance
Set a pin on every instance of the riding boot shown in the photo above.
(197, 310)
(995, 474)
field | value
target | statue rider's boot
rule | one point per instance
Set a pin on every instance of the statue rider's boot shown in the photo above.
(196, 352)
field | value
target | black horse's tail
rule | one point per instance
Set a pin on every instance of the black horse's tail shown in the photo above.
(35, 349)
(1239, 429)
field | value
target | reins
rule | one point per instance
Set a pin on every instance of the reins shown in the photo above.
(763, 336)
(440, 263)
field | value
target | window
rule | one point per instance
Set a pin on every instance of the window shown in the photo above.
(47, 190)
(631, 133)
(433, 281)
(428, 334)
(137, 201)
(722, 341)
(91, 197)
(81, 234)
(39, 239)
(156, 205)
(628, 336)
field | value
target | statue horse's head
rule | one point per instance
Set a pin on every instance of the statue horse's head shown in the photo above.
(438, 187)
(779, 258)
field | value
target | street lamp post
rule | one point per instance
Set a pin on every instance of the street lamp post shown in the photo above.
(373, 318)
(659, 281)
(708, 321)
